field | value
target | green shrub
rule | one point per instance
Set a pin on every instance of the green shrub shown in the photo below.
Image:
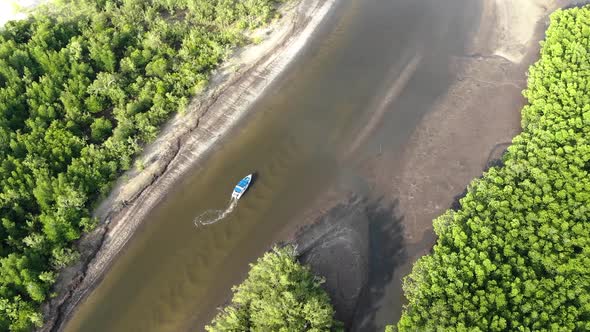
(278, 295)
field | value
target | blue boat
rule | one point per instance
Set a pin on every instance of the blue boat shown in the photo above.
(241, 187)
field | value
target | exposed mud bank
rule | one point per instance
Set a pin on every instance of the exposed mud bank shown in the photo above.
(477, 119)
(336, 248)
(183, 143)
(469, 128)
(481, 112)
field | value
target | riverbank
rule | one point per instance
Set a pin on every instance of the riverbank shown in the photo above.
(183, 143)
(467, 130)
(479, 115)
(470, 128)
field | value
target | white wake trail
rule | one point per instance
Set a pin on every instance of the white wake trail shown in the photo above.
(210, 217)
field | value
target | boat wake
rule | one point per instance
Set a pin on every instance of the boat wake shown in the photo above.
(210, 217)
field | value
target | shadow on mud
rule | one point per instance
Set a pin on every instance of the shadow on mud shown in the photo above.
(386, 254)
(495, 160)
(356, 246)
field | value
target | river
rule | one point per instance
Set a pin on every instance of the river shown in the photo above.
(360, 86)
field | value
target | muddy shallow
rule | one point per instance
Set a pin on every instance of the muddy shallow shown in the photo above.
(373, 107)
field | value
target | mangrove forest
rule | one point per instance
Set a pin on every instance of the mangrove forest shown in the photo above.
(280, 295)
(84, 84)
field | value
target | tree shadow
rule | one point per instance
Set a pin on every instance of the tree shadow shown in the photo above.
(495, 159)
(386, 253)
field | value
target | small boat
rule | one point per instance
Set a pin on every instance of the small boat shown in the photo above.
(241, 187)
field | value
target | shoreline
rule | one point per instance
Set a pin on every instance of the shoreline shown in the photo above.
(183, 143)
(455, 141)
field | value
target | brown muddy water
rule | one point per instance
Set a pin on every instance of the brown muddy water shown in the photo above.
(360, 86)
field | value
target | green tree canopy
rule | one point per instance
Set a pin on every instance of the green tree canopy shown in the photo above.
(280, 295)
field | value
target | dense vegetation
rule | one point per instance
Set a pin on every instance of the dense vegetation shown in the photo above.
(83, 85)
(516, 255)
(278, 295)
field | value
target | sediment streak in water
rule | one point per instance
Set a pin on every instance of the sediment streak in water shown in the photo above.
(393, 93)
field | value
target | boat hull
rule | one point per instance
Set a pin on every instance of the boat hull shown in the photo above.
(241, 187)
